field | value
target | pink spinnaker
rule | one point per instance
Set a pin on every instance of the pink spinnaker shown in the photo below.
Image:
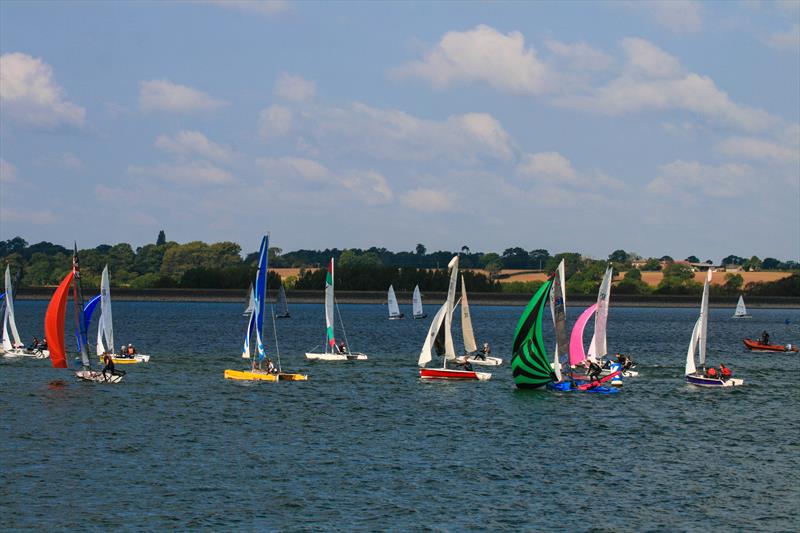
(576, 352)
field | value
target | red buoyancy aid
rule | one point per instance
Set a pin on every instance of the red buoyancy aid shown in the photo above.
(711, 372)
(725, 371)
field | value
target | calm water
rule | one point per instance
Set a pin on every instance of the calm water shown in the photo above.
(366, 446)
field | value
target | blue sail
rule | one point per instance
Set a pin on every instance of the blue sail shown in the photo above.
(88, 309)
(261, 295)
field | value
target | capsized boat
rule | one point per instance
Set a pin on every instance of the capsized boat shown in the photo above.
(530, 365)
(15, 347)
(758, 346)
(283, 306)
(333, 351)
(440, 338)
(394, 309)
(698, 340)
(741, 310)
(255, 325)
(416, 305)
(471, 353)
(54, 328)
(105, 326)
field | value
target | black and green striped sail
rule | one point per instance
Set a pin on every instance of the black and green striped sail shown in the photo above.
(529, 363)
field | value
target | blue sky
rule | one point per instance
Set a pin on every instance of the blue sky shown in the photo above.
(659, 128)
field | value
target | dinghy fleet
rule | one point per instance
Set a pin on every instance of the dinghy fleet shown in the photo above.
(570, 368)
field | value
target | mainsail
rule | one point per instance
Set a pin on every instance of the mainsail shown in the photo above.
(283, 307)
(394, 309)
(329, 307)
(598, 347)
(434, 338)
(690, 367)
(741, 310)
(466, 322)
(9, 321)
(251, 301)
(106, 320)
(704, 320)
(261, 296)
(416, 302)
(450, 351)
(529, 363)
(558, 311)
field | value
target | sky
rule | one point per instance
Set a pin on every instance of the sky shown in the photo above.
(658, 128)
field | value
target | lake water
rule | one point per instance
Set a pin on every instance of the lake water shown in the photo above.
(366, 446)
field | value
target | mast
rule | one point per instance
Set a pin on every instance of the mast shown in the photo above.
(77, 299)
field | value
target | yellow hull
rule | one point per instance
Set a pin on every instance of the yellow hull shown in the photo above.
(248, 375)
(124, 361)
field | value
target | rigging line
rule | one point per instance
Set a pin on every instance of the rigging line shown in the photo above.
(344, 332)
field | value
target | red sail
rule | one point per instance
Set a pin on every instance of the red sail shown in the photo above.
(54, 323)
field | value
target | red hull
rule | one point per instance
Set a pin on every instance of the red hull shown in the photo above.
(757, 346)
(446, 373)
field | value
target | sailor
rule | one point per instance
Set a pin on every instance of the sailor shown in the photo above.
(123, 351)
(131, 350)
(109, 366)
(624, 361)
(764, 337)
(34, 345)
(342, 347)
(467, 366)
(271, 367)
(725, 372)
(43, 345)
(594, 370)
(483, 352)
(712, 373)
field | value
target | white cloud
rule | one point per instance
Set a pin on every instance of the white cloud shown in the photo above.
(294, 88)
(753, 148)
(580, 55)
(653, 80)
(428, 200)
(548, 166)
(554, 175)
(259, 7)
(188, 143)
(163, 95)
(274, 122)
(397, 135)
(690, 181)
(30, 95)
(200, 173)
(369, 185)
(8, 172)
(481, 54)
(680, 16)
(307, 169)
(788, 40)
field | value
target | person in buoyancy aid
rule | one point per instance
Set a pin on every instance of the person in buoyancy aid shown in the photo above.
(725, 372)
(123, 351)
(764, 337)
(34, 345)
(43, 345)
(108, 369)
(594, 370)
(712, 373)
(483, 352)
(131, 351)
(624, 361)
(342, 348)
(467, 366)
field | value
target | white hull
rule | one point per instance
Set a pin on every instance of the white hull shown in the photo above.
(355, 356)
(142, 358)
(489, 361)
(18, 352)
(97, 377)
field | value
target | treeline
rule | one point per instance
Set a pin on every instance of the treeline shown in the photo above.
(168, 264)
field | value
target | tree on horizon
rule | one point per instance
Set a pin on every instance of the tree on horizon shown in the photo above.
(162, 238)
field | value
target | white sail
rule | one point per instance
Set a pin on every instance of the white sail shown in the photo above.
(394, 309)
(704, 320)
(449, 348)
(598, 348)
(329, 309)
(100, 348)
(7, 346)
(283, 307)
(558, 312)
(690, 368)
(741, 310)
(466, 321)
(426, 354)
(9, 314)
(416, 302)
(105, 309)
(251, 303)
(246, 346)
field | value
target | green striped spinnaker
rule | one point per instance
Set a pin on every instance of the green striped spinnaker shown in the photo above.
(529, 364)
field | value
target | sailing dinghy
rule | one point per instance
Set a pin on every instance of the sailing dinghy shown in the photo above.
(255, 325)
(251, 302)
(416, 305)
(15, 347)
(105, 327)
(530, 365)
(394, 309)
(440, 338)
(333, 351)
(54, 327)
(698, 344)
(283, 307)
(471, 353)
(741, 310)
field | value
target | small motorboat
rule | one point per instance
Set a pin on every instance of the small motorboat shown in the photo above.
(757, 346)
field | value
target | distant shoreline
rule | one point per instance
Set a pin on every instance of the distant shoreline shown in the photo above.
(430, 299)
